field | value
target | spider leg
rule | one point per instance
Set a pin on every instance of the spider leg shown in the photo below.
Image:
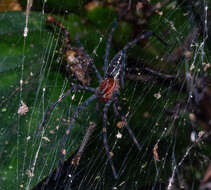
(96, 72)
(117, 110)
(141, 37)
(105, 111)
(91, 61)
(108, 46)
(161, 40)
(67, 132)
(53, 105)
(115, 67)
(122, 71)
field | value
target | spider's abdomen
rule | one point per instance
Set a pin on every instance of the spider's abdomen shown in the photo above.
(107, 88)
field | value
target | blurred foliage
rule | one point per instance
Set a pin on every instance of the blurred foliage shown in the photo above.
(37, 60)
(10, 5)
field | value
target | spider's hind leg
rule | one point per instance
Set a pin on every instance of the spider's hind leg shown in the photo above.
(105, 118)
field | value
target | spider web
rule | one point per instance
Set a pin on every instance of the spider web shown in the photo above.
(155, 104)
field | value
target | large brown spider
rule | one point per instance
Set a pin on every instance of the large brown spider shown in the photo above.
(108, 90)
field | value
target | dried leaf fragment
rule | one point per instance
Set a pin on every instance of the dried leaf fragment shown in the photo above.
(46, 139)
(121, 124)
(23, 109)
(157, 95)
(30, 173)
(119, 135)
(155, 153)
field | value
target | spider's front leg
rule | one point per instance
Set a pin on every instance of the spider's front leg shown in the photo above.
(116, 67)
(108, 44)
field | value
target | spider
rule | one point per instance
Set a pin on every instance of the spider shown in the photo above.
(107, 92)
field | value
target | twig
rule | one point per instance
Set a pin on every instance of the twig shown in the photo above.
(89, 131)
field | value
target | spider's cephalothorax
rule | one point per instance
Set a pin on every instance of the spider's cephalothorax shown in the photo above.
(107, 88)
(108, 91)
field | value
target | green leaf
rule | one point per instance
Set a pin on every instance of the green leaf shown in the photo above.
(22, 59)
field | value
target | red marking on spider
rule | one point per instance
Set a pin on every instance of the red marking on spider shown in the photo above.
(108, 87)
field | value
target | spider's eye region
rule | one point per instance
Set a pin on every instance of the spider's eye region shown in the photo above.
(108, 87)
